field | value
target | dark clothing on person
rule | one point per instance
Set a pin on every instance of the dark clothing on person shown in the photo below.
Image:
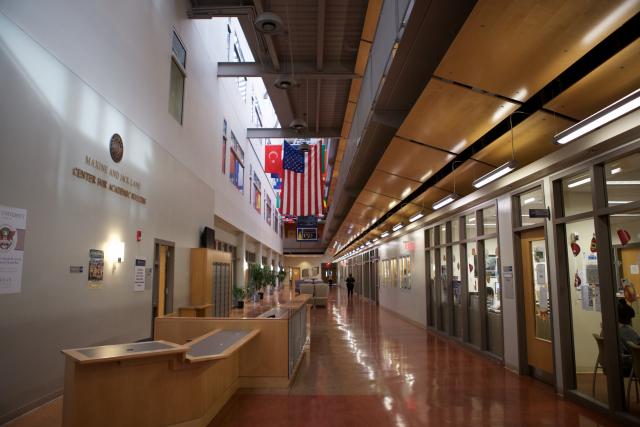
(350, 284)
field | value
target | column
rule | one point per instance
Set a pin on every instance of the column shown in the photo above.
(240, 269)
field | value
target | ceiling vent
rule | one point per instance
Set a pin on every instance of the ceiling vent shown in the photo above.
(298, 124)
(285, 82)
(269, 23)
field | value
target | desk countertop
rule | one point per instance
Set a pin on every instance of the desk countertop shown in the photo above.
(280, 305)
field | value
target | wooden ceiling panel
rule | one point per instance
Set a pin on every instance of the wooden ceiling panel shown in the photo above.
(451, 117)
(390, 185)
(362, 58)
(378, 201)
(464, 175)
(354, 91)
(371, 20)
(514, 48)
(411, 160)
(533, 139)
(614, 79)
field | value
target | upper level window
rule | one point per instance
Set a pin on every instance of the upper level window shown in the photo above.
(224, 146)
(257, 193)
(267, 209)
(177, 79)
(236, 164)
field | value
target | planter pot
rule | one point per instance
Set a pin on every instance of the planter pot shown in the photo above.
(240, 304)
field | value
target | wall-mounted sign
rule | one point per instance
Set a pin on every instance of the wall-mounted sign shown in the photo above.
(105, 184)
(13, 229)
(76, 269)
(307, 234)
(139, 275)
(409, 245)
(116, 148)
(96, 268)
(539, 213)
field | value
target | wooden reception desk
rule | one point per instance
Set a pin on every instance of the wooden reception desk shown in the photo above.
(190, 371)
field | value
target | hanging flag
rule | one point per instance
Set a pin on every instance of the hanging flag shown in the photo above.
(322, 161)
(302, 186)
(273, 159)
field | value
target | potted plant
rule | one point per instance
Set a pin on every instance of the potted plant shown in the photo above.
(281, 275)
(256, 279)
(269, 278)
(238, 295)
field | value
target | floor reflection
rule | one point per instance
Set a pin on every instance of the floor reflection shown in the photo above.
(368, 367)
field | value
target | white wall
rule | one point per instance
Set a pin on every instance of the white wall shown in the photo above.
(409, 303)
(72, 74)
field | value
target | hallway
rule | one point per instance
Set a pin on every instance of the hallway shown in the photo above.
(367, 367)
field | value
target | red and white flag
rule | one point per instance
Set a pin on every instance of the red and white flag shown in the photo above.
(302, 182)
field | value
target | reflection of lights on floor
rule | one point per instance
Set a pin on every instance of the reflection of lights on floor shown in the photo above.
(388, 403)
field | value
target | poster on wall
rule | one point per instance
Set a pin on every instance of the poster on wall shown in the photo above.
(96, 268)
(139, 275)
(13, 228)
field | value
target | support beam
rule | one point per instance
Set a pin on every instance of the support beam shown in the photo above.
(291, 133)
(303, 71)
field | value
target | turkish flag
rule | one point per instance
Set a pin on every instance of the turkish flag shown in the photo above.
(273, 159)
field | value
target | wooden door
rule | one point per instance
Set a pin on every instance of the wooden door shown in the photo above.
(295, 274)
(162, 278)
(535, 282)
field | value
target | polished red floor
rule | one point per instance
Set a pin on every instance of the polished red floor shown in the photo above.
(367, 367)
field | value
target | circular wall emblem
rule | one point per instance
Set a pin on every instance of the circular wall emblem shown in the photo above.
(116, 148)
(8, 238)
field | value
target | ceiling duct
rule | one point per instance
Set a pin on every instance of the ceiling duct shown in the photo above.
(269, 23)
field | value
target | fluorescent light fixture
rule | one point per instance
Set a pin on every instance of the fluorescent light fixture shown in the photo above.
(444, 201)
(375, 240)
(495, 174)
(529, 200)
(385, 234)
(601, 118)
(416, 217)
(397, 227)
(579, 182)
(623, 182)
(619, 202)
(369, 243)
(616, 170)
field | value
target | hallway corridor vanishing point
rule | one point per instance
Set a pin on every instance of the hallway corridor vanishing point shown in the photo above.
(368, 367)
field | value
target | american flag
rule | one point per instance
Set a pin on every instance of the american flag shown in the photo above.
(302, 183)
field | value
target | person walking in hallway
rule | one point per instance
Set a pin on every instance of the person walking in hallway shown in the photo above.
(350, 284)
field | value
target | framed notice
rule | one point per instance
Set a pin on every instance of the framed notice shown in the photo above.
(307, 234)
(13, 228)
(139, 275)
(96, 268)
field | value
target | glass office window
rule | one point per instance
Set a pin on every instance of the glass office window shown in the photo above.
(576, 192)
(431, 237)
(444, 290)
(490, 220)
(474, 296)
(471, 226)
(494, 296)
(432, 284)
(623, 180)
(176, 91)
(585, 308)
(533, 199)
(456, 284)
(455, 230)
